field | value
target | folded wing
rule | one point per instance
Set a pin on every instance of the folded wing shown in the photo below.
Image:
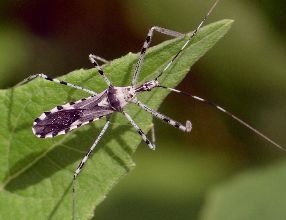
(62, 119)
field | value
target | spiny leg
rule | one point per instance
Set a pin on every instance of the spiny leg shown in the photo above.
(188, 41)
(146, 46)
(41, 75)
(227, 113)
(83, 161)
(143, 135)
(92, 59)
(166, 119)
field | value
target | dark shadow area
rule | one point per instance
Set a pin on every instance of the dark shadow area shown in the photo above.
(64, 157)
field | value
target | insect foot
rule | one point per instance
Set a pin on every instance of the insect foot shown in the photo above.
(188, 126)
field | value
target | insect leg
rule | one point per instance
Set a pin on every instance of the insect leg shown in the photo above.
(83, 161)
(76, 173)
(98, 58)
(153, 136)
(41, 75)
(166, 119)
(144, 137)
(92, 59)
(146, 46)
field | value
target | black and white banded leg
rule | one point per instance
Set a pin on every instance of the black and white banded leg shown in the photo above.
(43, 76)
(92, 59)
(76, 173)
(143, 135)
(146, 46)
(186, 128)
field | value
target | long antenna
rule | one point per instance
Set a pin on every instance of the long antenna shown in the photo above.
(227, 113)
(194, 33)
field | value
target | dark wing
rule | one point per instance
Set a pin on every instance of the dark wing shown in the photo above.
(62, 119)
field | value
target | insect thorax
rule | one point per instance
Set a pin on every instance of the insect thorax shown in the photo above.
(118, 97)
(147, 86)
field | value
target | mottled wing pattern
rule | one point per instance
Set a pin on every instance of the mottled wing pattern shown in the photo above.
(62, 119)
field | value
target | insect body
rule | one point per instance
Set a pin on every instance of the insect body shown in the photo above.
(65, 118)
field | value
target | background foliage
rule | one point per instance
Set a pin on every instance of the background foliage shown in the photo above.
(245, 72)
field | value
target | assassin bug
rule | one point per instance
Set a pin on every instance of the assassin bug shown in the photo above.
(65, 118)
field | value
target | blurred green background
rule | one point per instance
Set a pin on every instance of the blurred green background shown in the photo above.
(245, 73)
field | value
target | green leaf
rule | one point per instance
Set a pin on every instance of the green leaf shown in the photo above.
(36, 174)
(253, 195)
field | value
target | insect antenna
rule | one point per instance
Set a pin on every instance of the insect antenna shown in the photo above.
(194, 33)
(227, 113)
